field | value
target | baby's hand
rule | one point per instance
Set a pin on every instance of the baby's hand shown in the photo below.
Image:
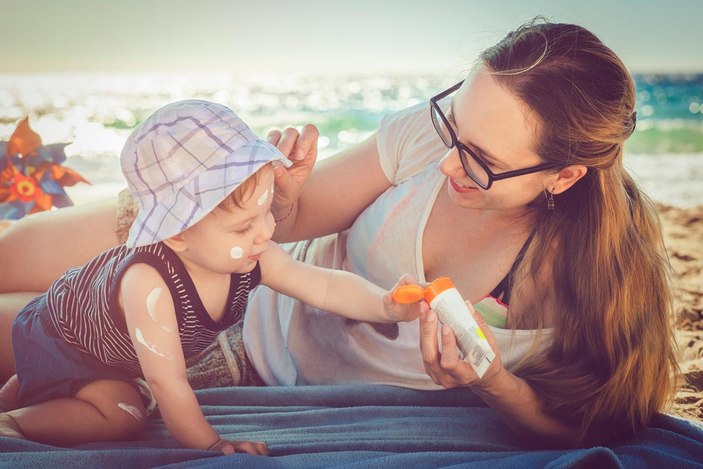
(402, 307)
(230, 447)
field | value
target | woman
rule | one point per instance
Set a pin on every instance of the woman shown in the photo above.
(513, 185)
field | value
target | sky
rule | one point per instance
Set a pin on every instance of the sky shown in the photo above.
(324, 36)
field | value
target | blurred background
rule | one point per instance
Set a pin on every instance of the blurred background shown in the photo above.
(88, 71)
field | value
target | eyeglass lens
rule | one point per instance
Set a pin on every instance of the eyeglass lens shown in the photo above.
(471, 166)
(441, 127)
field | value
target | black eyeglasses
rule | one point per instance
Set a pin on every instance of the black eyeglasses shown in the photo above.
(475, 167)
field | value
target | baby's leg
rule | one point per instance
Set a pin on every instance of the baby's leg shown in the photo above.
(105, 410)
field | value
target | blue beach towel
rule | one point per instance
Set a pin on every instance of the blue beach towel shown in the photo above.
(357, 426)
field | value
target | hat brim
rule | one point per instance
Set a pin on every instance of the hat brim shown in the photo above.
(184, 208)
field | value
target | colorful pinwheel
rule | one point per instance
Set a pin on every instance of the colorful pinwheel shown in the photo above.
(31, 176)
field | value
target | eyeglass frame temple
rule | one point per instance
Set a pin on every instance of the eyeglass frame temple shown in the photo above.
(463, 148)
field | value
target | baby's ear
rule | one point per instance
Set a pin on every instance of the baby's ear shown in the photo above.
(176, 243)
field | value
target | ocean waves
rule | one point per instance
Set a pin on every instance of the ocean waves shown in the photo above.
(96, 112)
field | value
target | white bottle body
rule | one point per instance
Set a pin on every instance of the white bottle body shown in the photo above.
(452, 310)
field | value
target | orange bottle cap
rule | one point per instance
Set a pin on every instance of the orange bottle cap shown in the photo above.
(437, 287)
(408, 294)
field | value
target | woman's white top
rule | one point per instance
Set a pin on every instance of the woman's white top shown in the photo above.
(291, 343)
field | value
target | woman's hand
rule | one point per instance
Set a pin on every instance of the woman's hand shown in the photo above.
(445, 367)
(301, 149)
(511, 397)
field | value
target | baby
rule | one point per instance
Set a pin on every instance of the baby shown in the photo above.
(201, 242)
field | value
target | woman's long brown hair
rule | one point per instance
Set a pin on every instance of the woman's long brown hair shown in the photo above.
(612, 364)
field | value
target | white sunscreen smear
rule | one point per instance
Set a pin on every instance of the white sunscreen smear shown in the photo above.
(264, 197)
(452, 310)
(130, 409)
(236, 252)
(151, 301)
(151, 347)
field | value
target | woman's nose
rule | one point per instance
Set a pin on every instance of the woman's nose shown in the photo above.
(450, 164)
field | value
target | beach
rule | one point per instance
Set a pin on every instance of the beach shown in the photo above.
(683, 236)
(96, 112)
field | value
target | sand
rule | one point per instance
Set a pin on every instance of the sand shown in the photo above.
(683, 236)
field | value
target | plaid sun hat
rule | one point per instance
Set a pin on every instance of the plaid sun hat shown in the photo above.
(185, 159)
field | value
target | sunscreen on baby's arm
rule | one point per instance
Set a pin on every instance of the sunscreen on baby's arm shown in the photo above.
(452, 310)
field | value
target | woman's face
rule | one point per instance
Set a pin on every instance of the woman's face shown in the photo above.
(503, 132)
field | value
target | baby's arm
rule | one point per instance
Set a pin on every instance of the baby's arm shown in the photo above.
(151, 321)
(331, 290)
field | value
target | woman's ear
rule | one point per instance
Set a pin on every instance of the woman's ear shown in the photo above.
(567, 177)
(176, 243)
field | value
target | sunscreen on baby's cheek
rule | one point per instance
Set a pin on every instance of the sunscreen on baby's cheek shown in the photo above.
(452, 310)
(236, 252)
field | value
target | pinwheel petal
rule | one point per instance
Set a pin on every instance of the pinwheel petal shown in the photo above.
(23, 140)
(71, 178)
(62, 200)
(42, 202)
(12, 210)
(56, 150)
(50, 186)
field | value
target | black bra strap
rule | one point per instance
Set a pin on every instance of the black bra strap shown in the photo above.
(505, 285)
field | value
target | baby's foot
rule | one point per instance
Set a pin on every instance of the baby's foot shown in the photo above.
(9, 428)
(9, 395)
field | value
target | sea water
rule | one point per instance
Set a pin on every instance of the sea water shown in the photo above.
(96, 112)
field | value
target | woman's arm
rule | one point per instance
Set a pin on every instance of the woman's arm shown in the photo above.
(336, 192)
(511, 397)
(37, 250)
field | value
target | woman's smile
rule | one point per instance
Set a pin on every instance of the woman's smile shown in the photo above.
(458, 187)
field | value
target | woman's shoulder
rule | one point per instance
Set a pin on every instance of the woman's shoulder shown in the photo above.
(407, 142)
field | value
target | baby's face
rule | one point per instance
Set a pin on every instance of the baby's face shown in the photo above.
(231, 239)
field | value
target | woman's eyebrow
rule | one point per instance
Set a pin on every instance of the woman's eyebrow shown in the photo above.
(483, 153)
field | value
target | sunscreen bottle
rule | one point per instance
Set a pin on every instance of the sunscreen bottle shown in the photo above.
(452, 310)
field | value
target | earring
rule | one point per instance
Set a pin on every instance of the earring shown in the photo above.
(550, 202)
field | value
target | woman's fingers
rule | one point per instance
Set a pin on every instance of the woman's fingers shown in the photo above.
(306, 144)
(273, 137)
(446, 368)
(296, 145)
(429, 345)
(287, 141)
(450, 352)
(456, 371)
